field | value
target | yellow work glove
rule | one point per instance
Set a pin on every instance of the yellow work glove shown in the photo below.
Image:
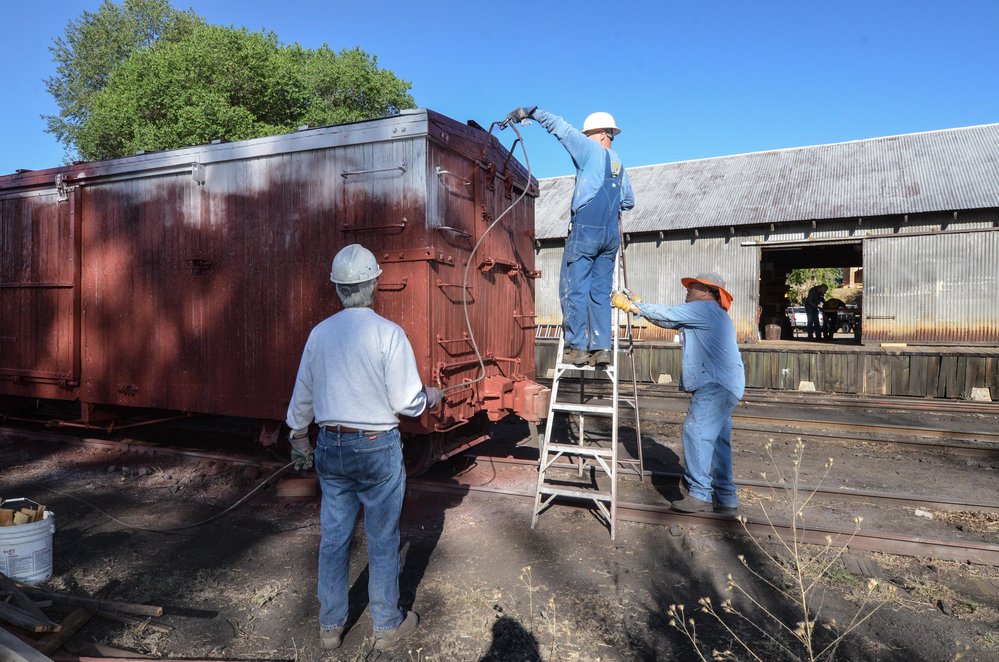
(622, 301)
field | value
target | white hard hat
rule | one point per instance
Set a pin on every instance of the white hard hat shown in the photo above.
(600, 120)
(354, 264)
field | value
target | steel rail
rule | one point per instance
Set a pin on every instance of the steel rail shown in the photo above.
(831, 430)
(139, 447)
(981, 553)
(824, 399)
(760, 486)
(877, 427)
(977, 441)
(965, 552)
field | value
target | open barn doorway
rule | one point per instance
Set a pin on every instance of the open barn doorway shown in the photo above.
(776, 297)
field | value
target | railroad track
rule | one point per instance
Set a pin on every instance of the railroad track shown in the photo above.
(765, 488)
(657, 514)
(771, 416)
(822, 400)
(759, 528)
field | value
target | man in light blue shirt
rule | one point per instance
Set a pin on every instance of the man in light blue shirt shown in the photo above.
(602, 192)
(712, 372)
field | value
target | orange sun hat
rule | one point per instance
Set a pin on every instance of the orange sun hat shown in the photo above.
(712, 279)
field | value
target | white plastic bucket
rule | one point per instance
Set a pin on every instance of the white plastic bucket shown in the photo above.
(26, 549)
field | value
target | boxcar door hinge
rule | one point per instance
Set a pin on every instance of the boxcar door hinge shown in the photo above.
(63, 189)
(198, 173)
(512, 269)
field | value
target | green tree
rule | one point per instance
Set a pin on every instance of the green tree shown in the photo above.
(190, 83)
(96, 43)
(799, 281)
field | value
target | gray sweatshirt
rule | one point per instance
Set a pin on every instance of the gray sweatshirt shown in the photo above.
(358, 370)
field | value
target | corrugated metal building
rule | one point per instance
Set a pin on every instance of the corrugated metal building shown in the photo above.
(918, 212)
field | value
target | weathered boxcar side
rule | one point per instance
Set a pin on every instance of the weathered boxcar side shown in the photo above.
(188, 280)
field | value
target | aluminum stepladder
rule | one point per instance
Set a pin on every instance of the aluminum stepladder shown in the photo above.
(589, 452)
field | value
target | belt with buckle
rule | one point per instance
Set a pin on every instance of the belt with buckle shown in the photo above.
(340, 429)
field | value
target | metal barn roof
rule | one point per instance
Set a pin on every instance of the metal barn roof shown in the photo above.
(950, 169)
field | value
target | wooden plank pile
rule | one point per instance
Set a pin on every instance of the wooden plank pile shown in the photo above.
(21, 608)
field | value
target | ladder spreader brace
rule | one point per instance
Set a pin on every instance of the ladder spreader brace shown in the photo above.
(558, 461)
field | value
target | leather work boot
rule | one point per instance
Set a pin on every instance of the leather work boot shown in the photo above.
(388, 639)
(330, 639)
(575, 356)
(689, 504)
(726, 510)
(600, 357)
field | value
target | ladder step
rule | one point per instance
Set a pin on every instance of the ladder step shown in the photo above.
(576, 494)
(582, 408)
(584, 368)
(575, 449)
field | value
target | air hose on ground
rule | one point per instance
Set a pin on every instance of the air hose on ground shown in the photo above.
(175, 529)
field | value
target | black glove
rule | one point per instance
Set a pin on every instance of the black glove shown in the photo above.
(521, 114)
(434, 397)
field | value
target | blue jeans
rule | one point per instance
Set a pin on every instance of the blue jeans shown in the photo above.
(812, 321)
(357, 468)
(585, 283)
(707, 445)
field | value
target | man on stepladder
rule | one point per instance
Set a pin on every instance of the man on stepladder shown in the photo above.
(601, 193)
(714, 375)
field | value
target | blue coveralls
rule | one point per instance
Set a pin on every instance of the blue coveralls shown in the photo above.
(713, 373)
(602, 191)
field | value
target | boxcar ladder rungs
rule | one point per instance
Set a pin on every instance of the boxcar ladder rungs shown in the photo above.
(594, 462)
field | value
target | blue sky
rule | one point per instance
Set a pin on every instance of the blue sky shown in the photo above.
(685, 80)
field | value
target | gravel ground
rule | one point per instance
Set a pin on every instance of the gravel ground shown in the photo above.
(487, 585)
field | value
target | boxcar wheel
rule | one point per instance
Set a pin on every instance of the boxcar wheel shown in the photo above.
(420, 452)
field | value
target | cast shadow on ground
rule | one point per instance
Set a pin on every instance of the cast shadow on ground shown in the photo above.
(423, 518)
(699, 565)
(421, 526)
(511, 641)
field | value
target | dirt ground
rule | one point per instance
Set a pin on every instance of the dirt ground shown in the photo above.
(490, 588)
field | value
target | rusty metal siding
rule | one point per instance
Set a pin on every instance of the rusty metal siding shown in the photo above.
(655, 267)
(548, 257)
(647, 254)
(932, 288)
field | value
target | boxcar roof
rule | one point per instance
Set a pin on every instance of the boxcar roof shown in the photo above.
(950, 169)
(420, 122)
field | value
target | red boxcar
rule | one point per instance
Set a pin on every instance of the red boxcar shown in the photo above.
(188, 280)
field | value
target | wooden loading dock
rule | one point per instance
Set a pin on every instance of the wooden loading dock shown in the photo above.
(914, 371)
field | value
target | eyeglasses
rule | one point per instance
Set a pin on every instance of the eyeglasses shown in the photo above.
(703, 287)
(610, 135)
